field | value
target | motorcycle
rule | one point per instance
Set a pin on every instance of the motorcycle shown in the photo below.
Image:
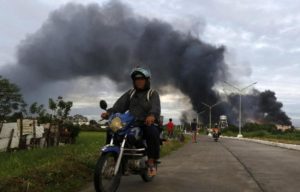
(124, 155)
(216, 134)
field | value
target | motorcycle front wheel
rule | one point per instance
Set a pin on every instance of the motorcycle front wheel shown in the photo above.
(104, 178)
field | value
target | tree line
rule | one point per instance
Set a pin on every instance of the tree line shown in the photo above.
(13, 106)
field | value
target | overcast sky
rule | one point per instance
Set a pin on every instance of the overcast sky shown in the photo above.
(262, 40)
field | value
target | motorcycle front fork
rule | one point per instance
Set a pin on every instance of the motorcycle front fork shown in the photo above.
(120, 154)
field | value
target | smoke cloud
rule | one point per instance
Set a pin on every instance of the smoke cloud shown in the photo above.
(93, 41)
(261, 107)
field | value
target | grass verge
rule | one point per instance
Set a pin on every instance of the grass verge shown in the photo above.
(172, 145)
(64, 169)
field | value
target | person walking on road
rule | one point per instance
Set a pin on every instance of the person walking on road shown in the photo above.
(170, 128)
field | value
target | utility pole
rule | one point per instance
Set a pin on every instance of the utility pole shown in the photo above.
(210, 108)
(198, 116)
(240, 90)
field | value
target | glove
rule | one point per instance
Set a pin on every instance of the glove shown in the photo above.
(150, 120)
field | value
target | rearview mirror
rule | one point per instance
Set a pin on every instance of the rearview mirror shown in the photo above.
(103, 104)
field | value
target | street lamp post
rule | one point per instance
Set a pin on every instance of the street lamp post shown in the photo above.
(198, 116)
(210, 108)
(240, 106)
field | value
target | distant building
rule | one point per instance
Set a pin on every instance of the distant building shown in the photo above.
(80, 120)
(223, 122)
(283, 127)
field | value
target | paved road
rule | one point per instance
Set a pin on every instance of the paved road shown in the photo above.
(228, 165)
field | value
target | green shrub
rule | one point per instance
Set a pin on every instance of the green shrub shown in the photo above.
(249, 127)
(260, 133)
(92, 128)
(231, 128)
(229, 133)
(74, 129)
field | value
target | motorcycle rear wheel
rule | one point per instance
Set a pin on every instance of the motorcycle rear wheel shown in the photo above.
(104, 179)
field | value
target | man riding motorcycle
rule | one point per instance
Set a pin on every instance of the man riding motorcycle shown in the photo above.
(216, 129)
(216, 132)
(144, 104)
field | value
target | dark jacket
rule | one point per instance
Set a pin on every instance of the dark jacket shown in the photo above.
(194, 126)
(138, 105)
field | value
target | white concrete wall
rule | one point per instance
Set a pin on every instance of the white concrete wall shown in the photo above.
(6, 131)
(5, 135)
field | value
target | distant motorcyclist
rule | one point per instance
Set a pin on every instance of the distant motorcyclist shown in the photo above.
(216, 132)
(143, 103)
(216, 129)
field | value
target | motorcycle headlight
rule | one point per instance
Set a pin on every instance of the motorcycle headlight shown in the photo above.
(116, 124)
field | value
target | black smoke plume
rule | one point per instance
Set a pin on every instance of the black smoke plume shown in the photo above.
(91, 41)
(259, 107)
